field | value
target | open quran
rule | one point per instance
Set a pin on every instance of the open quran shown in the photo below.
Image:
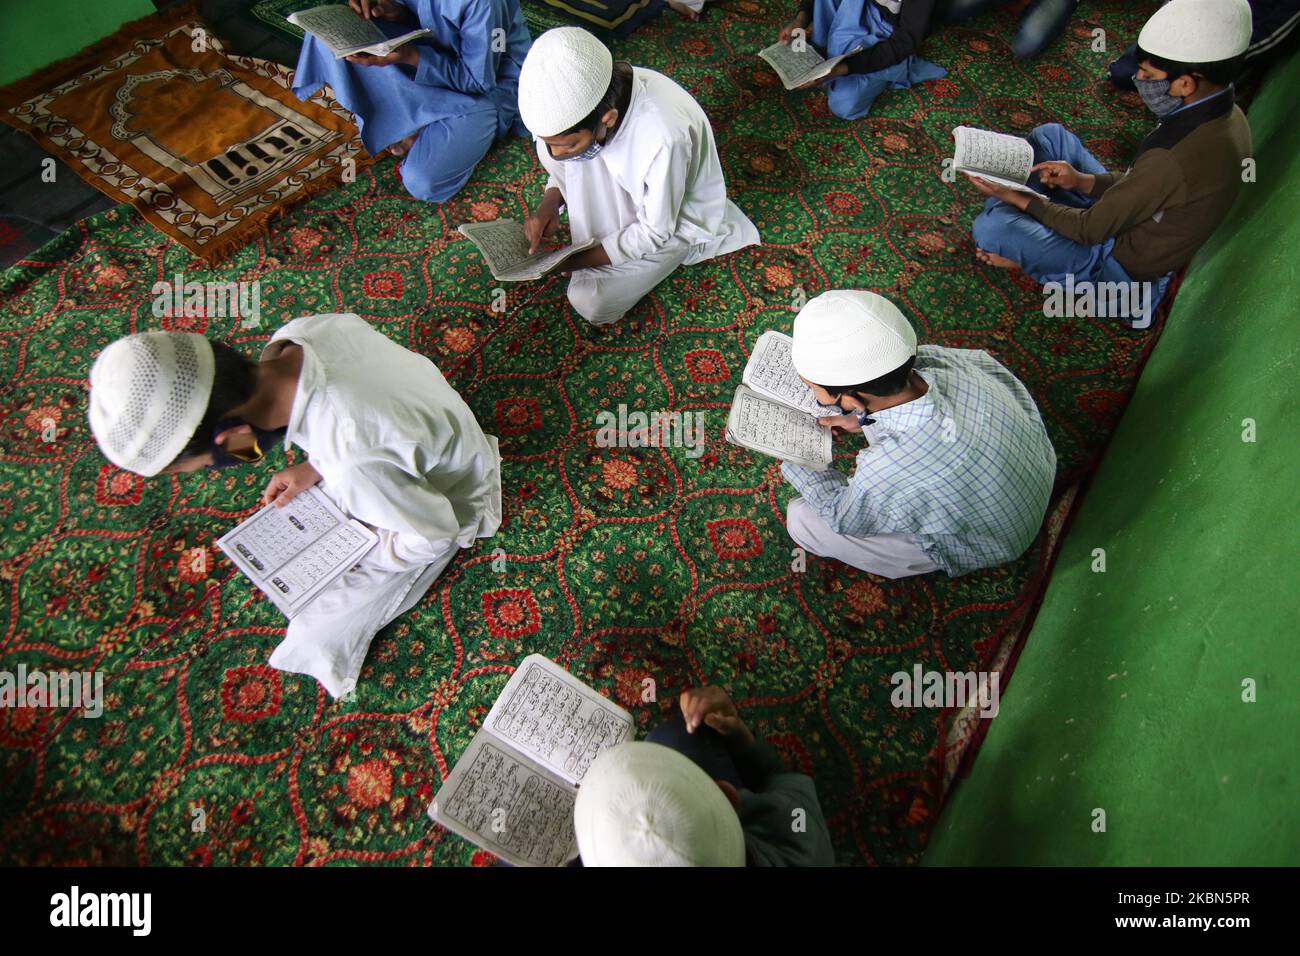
(505, 250)
(346, 32)
(799, 67)
(997, 157)
(774, 411)
(294, 552)
(512, 791)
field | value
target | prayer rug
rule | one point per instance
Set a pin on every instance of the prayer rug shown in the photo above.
(206, 145)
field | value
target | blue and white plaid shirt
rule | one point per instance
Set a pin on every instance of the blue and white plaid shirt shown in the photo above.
(967, 468)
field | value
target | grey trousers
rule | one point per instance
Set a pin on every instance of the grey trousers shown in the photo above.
(888, 555)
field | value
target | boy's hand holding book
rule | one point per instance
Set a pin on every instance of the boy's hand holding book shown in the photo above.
(847, 422)
(285, 485)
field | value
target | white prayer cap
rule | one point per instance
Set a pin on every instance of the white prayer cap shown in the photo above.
(564, 77)
(846, 337)
(1198, 31)
(643, 804)
(148, 393)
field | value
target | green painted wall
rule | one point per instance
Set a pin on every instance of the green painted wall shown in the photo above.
(39, 32)
(1128, 696)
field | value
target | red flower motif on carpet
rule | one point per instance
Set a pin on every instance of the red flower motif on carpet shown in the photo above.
(193, 564)
(458, 339)
(516, 416)
(844, 204)
(370, 783)
(484, 211)
(629, 686)
(778, 277)
(618, 474)
(511, 612)
(117, 487)
(44, 419)
(184, 323)
(110, 276)
(250, 693)
(23, 727)
(931, 242)
(864, 597)
(383, 285)
(707, 365)
(735, 538)
(697, 46)
(943, 88)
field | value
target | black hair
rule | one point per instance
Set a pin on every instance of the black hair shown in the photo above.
(1220, 73)
(234, 379)
(619, 85)
(891, 383)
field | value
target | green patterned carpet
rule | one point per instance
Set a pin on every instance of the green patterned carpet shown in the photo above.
(621, 563)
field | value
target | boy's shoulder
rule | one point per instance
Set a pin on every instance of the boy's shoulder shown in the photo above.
(663, 105)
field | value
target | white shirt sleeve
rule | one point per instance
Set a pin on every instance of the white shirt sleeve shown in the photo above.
(664, 192)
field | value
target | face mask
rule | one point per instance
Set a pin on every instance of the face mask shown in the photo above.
(1155, 94)
(223, 458)
(588, 153)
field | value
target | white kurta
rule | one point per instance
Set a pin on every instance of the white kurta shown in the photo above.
(397, 449)
(654, 196)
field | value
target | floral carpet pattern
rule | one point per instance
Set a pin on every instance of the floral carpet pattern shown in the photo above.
(620, 564)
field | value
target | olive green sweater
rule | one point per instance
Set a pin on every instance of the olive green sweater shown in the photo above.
(1184, 180)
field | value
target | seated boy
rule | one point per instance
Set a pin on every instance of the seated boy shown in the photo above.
(1144, 224)
(891, 32)
(632, 157)
(392, 444)
(701, 790)
(958, 469)
(440, 101)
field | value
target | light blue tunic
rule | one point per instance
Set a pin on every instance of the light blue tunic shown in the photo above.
(463, 95)
(840, 25)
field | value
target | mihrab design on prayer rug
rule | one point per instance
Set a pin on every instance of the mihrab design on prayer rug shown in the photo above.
(619, 563)
(207, 146)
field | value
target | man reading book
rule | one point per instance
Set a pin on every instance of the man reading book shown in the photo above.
(1143, 224)
(958, 468)
(701, 790)
(440, 101)
(891, 33)
(391, 442)
(632, 157)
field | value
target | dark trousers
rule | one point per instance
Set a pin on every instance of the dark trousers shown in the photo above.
(706, 747)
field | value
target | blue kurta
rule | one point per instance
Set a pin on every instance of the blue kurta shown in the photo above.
(463, 95)
(840, 25)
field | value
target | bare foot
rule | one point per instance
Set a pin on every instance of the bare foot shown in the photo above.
(684, 10)
(995, 260)
(402, 146)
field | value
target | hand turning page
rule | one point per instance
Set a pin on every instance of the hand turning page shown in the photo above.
(505, 250)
